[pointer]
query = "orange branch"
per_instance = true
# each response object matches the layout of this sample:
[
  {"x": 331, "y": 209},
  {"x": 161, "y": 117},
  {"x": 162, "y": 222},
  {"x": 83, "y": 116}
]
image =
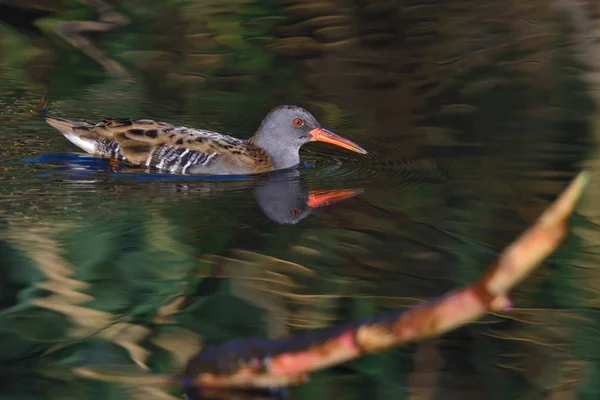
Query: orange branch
[{"x": 255, "y": 363}]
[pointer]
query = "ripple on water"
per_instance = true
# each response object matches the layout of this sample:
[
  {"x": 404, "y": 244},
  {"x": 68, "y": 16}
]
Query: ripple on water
[
  {"x": 387, "y": 166},
  {"x": 68, "y": 181}
]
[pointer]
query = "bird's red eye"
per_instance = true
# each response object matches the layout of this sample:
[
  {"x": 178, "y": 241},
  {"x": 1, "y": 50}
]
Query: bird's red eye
[
  {"x": 294, "y": 211},
  {"x": 298, "y": 122}
]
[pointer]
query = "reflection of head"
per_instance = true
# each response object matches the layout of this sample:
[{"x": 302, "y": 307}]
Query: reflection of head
[{"x": 282, "y": 197}]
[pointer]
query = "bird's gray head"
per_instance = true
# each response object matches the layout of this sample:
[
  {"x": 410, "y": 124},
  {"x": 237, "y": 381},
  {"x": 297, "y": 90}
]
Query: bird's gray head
[{"x": 286, "y": 128}]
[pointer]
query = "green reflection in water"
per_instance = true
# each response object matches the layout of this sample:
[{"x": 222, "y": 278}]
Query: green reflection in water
[{"x": 475, "y": 118}]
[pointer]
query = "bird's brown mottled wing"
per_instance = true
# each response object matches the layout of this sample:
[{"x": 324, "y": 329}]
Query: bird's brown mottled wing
[
  {"x": 111, "y": 128},
  {"x": 182, "y": 150}
]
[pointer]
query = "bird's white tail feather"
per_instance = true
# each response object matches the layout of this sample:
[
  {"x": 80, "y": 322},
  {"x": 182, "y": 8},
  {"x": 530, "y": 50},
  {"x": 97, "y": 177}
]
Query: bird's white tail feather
[
  {"x": 68, "y": 129},
  {"x": 86, "y": 144}
]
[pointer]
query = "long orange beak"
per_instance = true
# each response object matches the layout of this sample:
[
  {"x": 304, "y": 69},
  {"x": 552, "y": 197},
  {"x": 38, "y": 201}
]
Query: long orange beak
[
  {"x": 320, "y": 198},
  {"x": 321, "y": 134}
]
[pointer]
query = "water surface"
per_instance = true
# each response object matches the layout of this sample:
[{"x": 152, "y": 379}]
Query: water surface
[{"x": 474, "y": 119}]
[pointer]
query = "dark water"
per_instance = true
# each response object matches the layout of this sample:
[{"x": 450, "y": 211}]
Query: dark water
[{"x": 475, "y": 118}]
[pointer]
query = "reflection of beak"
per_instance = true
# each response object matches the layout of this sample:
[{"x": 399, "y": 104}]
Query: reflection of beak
[
  {"x": 320, "y": 198},
  {"x": 321, "y": 134}
]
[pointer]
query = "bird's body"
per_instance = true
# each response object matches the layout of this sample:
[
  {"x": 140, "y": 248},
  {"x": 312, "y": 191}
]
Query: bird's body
[
  {"x": 182, "y": 150},
  {"x": 166, "y": 147}
]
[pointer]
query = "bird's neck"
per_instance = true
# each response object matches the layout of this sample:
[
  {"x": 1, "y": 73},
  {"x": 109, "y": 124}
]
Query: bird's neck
[{"x": 283, "y": 156}]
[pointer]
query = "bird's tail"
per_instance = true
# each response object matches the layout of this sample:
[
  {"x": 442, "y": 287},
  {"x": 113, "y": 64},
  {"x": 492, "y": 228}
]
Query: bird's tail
[{"x": 77, "y": 132}]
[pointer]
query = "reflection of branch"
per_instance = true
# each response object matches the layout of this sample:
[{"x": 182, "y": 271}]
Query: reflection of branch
[
  {"x": 585, "y": 40},
  {"x": 248, "y": 363},
  {"x": 586, "y": 37},
  {"x": 109, "y": 19}
]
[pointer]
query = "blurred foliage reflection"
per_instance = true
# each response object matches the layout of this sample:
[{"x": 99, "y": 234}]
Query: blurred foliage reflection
[{"x": 475, "y": 116}]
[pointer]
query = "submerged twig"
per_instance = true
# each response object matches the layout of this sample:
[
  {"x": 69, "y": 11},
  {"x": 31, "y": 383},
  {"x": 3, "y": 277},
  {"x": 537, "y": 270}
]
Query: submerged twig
[{"x": 262, "y": 363}]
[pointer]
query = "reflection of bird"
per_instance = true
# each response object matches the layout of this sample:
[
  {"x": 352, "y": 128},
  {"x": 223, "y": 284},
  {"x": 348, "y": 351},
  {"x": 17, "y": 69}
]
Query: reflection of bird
[
  {"x": 281, "y": 195},
  {"x": 283, "y": 198},
  {"x": 181, "y": 150}
]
